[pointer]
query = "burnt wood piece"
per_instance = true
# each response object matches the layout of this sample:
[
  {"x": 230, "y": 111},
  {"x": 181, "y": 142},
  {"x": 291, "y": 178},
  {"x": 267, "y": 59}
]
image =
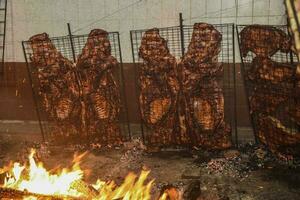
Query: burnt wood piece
[
  {"x": 263, "y": 40},
  {"x": 7, "y": 193},
  {"x": 100, "y": 90},
  {"x": 203, "y": 97},
  {"x": 57, "y": 87},
  {"x": 80, "y": 186},
  {"x": 159, "y": 89}
]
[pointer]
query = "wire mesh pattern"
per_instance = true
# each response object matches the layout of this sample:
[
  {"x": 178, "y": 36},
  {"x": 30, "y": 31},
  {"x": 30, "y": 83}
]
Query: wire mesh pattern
[
  {"x": 83, "y": 99},
  {"x": 268, "y": 68},
  {"x": 211, "y": 95}
]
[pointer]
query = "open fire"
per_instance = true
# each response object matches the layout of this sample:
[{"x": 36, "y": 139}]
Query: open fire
[{"x": 33, "y": 181}]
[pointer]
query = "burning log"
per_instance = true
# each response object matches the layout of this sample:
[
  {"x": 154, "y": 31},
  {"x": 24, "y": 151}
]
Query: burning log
[
  {"x": 7, "y": 193},
  {"x": 159, "y": 88},
  {"x": 264, "y": 40},
  {"x": 100, "y": 91},
  {"x": 203, "y": 97}
]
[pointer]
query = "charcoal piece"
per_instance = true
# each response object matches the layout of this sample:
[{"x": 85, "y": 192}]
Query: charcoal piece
[
  {"x": 58, "y": 89},
  {"x": 159, "y": 89},
  {"x": 264, "y": 41},
  {"x": 100, "y": 91}
]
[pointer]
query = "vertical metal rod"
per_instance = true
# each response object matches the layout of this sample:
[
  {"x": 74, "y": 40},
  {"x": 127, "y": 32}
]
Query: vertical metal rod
[
  {"x": 137, "y": 88},
  {"x": 236, "y": 10},
  {"x": 291, "y": 36},
  {"x": 181, "y": 33},
  {"x": 77, "y": 75},
  {"x": 221, "y": 17},
  {"x": 242, "y": 67},
  {"x": 269, "y": 9},
  {"x": 234, "y": 87},
  {"x": 33, "y": 93},
  {"x": 252, "y": 11},
  {"x": 71, "y": 41},
  {"x": 123, "y": 88},
  {"x": 290, "y": 33},
  {"x": 4, "y": 35}
]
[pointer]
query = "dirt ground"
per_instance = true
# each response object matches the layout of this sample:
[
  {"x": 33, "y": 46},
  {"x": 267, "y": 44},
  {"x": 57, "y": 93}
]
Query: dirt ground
[{"x": 249, "y": 173}]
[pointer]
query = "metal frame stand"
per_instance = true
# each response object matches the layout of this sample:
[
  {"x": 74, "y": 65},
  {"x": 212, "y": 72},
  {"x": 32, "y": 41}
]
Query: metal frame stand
[
  {"x": 70, "y": 47},
  {"x": 178, "y": 38}
]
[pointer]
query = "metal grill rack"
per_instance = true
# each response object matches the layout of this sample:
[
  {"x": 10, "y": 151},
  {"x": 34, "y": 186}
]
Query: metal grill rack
[
  {"x": 270, "y": 102},
  {"x": 178, "y": 39},
  {"x": 3, "y": 13},
  {"x": 70, "y": 47}
]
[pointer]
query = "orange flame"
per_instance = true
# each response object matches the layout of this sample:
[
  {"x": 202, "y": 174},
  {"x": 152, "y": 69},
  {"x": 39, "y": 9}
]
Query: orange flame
[{"x": 36, "y": 179}]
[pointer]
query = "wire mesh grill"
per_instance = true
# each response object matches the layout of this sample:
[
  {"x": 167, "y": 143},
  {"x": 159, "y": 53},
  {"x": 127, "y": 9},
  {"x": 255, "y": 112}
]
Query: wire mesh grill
[
  {"x": 225, "y": 81},
  {"x": 270, "y": 88},
  {"x": 83, "y": 101}
]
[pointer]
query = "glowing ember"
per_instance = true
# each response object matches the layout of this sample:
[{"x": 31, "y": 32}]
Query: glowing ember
[{"x": 35, "y": 179}]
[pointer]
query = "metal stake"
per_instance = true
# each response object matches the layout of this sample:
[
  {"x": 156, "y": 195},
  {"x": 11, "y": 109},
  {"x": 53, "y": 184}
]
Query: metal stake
[
  {"x": 71, "y": 41},
  {"x": 181, "y": 33}
]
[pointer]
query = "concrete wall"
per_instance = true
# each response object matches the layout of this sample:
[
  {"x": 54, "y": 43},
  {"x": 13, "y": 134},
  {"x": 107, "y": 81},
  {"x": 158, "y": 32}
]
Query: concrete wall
[{"x": 29, "y": 17}]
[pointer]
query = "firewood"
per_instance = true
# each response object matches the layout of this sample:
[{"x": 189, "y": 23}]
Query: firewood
[
  {"x": 84, "y": 188},
  {"x": 7, "y": 193}
]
